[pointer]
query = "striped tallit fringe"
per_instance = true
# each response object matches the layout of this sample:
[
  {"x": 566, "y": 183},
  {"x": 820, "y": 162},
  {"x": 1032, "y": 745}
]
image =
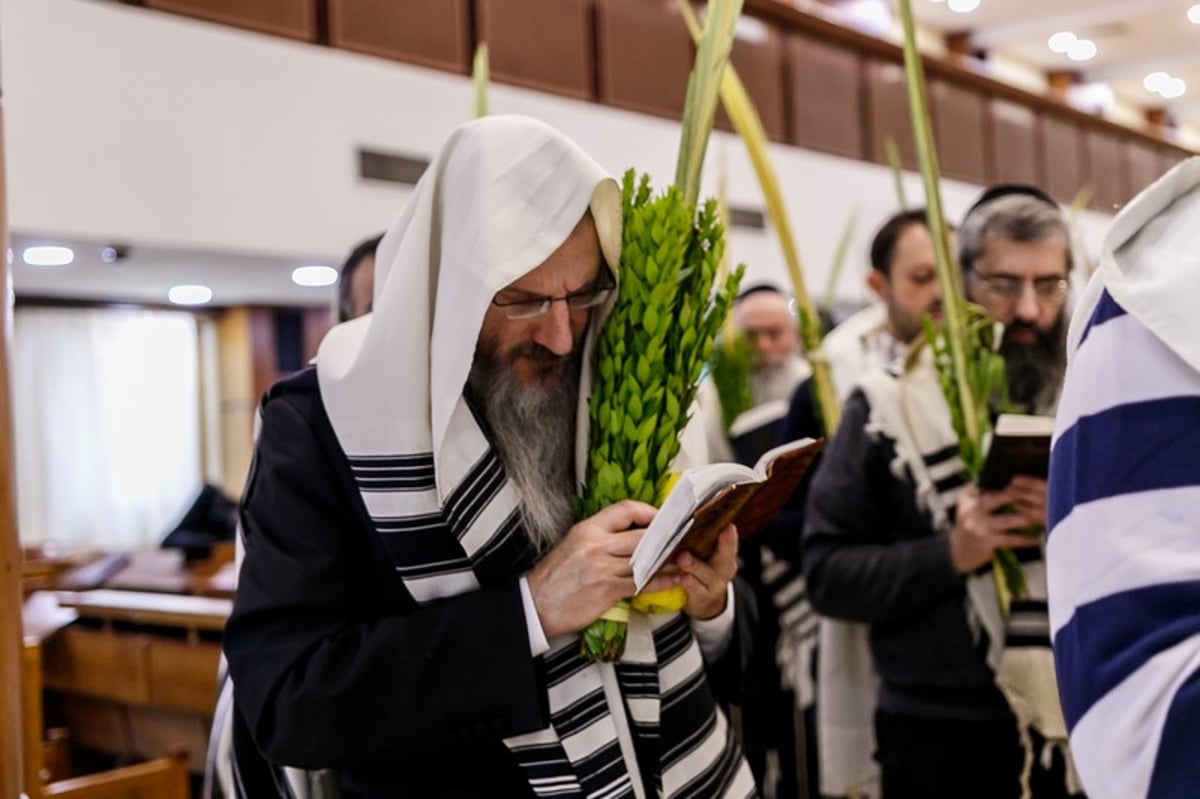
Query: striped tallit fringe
[
  {"x": 798, "y": 626},
  {"x": 474, "y": 539},
  {"x": 911, "y": 411}
]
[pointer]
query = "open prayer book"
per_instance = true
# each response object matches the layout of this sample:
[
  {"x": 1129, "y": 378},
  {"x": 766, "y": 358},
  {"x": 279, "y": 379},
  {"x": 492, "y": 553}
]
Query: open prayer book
[
  {"x": 1019, "y": 445},
  {"x": 707, "y": 499}
]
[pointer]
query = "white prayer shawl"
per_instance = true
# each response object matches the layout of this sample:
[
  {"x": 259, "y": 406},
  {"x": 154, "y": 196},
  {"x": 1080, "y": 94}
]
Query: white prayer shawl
[
  {"x": 846, "y": 684},
  {"x": 500, "y": 197},
  {"x": 1147, "y": 262},
  {"x": 911, "y": 410}
]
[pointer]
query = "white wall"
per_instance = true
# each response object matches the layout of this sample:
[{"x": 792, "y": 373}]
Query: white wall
[{"x": 124, "y": 123}]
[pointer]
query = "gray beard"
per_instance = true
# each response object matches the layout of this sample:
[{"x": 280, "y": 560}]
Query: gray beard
[
  {"x": 776, "y": 382},
  {"x": 534, "y": 432}
]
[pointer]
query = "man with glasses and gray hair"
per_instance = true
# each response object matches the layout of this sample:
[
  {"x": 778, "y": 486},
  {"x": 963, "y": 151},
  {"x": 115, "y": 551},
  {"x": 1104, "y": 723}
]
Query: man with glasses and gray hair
[
  {"x": 897, "y": 539},
  {"x": 1015, "y": 254}
]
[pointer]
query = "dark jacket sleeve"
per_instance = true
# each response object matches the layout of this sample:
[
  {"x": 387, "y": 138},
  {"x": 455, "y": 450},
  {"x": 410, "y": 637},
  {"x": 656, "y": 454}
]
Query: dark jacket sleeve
[
  {"x": 868, "y": 555},
  {"x": 782, "y": 537},
  {"x": 332, "y": 661}
]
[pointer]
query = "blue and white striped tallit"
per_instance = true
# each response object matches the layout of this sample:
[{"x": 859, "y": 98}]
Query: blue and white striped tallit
[
  {"x": 1124, "y": 547},
  {"x": 500, "y": 197}
]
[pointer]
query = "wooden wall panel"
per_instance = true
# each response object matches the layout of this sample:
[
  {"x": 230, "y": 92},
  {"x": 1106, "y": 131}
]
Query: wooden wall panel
[
  {"x": 887, "y": 112},
  {"x": 1106, "y": 171},
  {"x": 825, "y": 96},
  {"x": 759, "y": 64},
  {"x": 1014, "y": 143},
  {"x": 961, "y": 131},
  {"x": 644, "y": 55},
  {"x": 295, "y": 19},
  {"x": 540, "y": 44},
  {"x": 1062, "y": 157},
  {"x": 1146, "y": 163},
  {"x": 432, "y": 33}
]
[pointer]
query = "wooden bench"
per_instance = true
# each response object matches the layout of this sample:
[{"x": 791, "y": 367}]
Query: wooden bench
[{"x": 47, "y": 761}]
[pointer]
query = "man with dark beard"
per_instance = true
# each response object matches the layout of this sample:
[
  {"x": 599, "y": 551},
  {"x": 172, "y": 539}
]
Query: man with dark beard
[
  {"x": 415, "y": 580},
  {"x": 1013, "y": 249},
  {"x": 895, "y": 538}
]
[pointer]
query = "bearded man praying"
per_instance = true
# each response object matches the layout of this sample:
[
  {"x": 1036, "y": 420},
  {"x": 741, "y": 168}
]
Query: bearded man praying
[
  {"x": 415, "y": 578},
  {"x": 895, "y": 538}
]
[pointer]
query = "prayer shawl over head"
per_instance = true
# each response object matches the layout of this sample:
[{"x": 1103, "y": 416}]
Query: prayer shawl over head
[{"x": 500, "y": 197}]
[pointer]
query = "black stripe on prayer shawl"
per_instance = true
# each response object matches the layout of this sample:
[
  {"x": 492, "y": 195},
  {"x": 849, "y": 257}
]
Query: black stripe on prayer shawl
[
  {"x": 394, "y": 473},
  {"x": 638, "y": 679},
  {"x": 672, "y": 639},
  {"x": 951, "y": 482},
  {"x": 941, "y": 456},
  {"x": 580, "y": 714},
  {"x": 474, "y": 493},
  {"x": 605, "y": 775},
  {"x": 548, "y": 772},
  {"x": 421, "y": 546},
  {"x": 709, "y": 782},
  {"x": 507, "y": 549},
  {"x": 699, "y": 729},
  {"x": 563, "y": 663}
]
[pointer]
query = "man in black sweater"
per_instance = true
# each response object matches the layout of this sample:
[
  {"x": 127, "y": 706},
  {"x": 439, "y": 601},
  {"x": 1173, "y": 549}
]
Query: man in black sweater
[{"x": 893, "y": 533}]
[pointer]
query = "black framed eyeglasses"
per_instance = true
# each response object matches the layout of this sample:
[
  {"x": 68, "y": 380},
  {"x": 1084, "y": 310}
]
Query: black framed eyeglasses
[
  {"x": 532, "y": 306},
  {"x": 1009, "y": 287}
]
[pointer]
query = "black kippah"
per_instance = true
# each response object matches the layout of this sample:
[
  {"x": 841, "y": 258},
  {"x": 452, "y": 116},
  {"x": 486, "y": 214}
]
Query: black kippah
[
  {"x": 758, "y": 288},
  {"x": 1005, "y": 189}
]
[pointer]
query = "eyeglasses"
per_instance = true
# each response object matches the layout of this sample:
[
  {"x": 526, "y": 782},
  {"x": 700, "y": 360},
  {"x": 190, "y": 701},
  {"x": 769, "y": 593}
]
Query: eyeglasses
[
  {"x": 1009, "y": 288},
  {"x": 530, "y": 307}
]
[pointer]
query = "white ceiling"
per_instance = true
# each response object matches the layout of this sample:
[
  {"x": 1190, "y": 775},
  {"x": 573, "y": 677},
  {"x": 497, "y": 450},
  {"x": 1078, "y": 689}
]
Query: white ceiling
[
  {"x": 145, "y": 274},
  {"x": 1133, "y": 38}
]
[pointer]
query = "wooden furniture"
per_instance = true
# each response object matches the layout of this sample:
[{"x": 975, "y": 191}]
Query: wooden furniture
[
  {"x": 135, "y": 676},
  {"x": 47, "y": 762}
]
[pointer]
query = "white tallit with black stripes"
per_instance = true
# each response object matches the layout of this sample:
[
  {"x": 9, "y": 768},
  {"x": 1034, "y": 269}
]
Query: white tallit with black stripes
[
  {"x": 499, "y": 198},
  {"x": 911, "y": 411}
]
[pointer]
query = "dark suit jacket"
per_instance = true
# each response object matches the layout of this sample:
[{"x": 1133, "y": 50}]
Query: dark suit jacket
[{"x": 334, "y": 664}]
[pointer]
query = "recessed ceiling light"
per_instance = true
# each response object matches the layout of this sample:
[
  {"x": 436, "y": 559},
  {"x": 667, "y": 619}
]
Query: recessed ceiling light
[
  {"x": 1173, "y": 88},
  {"x": 1155, "y": 80},
  {"x": 1164, "y": 85},
  {"x": 1061, "y": 42},
  {"x": 189, "y": 294},
  {"x": 49, "y": 255},
  {"x": 1082, "y": 50},
  {"x": 316, "y": 275},
  {"x": 1194, "y": 14},
  {"x": 963, "y": 6}
]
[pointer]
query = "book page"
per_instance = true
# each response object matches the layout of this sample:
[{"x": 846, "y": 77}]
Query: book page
[
  {"x": 694, "y": 488},
  {"x": 1016, "y": 424},
  {"x": 763, "y": 467}
]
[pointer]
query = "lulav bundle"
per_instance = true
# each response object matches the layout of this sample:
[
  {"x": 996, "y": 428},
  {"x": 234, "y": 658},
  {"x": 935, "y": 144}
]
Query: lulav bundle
[
  {"x": 730, "y": 368},
  {"x": 649, "y": 356},
  {"x": 965, "y": 345}
]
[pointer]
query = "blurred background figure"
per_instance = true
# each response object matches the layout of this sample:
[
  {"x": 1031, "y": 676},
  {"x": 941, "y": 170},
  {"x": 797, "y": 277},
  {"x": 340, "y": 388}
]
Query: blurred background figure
[{"x": 356, "y": 286}]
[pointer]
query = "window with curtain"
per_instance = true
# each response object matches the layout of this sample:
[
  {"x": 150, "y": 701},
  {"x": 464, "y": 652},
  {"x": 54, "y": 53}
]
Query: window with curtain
[{"x": 106, "y": 405}]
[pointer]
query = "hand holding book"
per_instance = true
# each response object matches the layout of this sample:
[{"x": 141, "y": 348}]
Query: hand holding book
[{"x": 708, "y": 499}]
